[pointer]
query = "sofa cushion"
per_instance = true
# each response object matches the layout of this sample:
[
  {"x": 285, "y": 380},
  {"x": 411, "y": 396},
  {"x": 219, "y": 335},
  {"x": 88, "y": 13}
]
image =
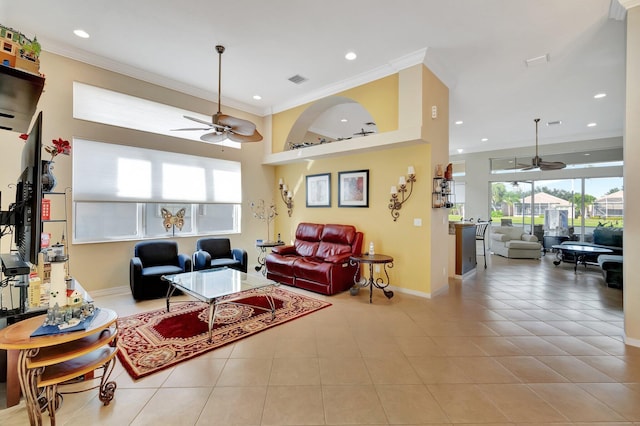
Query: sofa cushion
[
  {"x": 313, "y": 269},
  {"x": 307, "y": 238},
  {"x": 155, "y": 271},
  {"x": 530, "y": 238},
  {"x": 309, "y": 231},
  {"x": 306, "y": 248},
  {"x": 331, "y": 249},
  {"x": 610, "y": 261},
  {"x": 281, "y": 265},
  {"x": 340, "y": 234},
  {"x": 500, "y": 237},
  {"x": 523, "y": 245},
  {"x": 223, "y": 261}
]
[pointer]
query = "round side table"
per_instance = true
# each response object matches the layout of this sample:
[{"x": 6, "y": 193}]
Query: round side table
[
  {"x": 262, "y": 253},
  {"x": 372, "y": 259}
]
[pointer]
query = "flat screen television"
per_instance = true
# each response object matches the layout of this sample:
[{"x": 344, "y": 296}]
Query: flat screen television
[{"x": 28, "y": 224}]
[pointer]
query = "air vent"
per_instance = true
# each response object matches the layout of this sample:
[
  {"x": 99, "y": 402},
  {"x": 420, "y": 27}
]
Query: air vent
[
  {"x": 297, "y": 79},
  {"x": 538, "y": 60},
  {"x": 554, "y": 123}
]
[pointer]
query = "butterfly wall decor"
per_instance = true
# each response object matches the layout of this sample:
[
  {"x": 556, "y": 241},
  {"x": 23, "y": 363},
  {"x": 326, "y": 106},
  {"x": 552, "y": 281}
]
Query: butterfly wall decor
[{"x": 169, "y": 220}]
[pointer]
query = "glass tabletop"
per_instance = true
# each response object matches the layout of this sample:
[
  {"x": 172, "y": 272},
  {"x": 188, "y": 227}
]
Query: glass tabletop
[
  {"x": 581, "y": 248},
  {"x": 213, "y": 283}
]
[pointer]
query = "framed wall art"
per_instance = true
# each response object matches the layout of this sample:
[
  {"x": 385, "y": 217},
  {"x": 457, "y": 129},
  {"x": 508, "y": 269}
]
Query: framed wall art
[
  {"x": 318, "y": 190},
  {"x": 353, "y": 188}
]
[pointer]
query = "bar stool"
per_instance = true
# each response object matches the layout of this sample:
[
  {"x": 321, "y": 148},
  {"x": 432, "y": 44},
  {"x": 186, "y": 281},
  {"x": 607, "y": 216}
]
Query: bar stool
[{"x": 481, "y": 232}]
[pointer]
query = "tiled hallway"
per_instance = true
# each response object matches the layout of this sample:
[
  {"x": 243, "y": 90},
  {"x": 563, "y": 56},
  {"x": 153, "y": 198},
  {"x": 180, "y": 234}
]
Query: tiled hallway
[{"x": 523, "y": 342}]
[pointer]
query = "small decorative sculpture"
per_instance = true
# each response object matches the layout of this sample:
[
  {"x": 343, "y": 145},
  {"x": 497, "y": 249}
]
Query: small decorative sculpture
[
  {"x": 265, "y": 213},
  {"x": 170, "y": 221},
  {"x": 448, "y": 174}
]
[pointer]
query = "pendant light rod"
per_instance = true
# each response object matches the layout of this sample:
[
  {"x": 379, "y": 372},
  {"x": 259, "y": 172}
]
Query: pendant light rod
[{"x": 220, "y": 50}]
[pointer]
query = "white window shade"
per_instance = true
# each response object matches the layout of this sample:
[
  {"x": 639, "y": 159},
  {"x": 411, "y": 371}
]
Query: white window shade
[
  {"x": 460, "y": 192},
  {"x": 120, "y": 173},
  {"x": 118, "y": 109}
]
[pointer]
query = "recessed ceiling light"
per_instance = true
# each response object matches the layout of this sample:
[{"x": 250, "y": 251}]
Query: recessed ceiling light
[
  {"x": 257, "y": 97},
  {"x": 350, "y": 56},
  {"x": 459, "y": 122},
  {"x": 592, "y": 124},
  {"x": 484, "y": 139},
  {"x": 460, "y": 150},
  {"x": 587, "y": 153},
  {"x": 599, "y": 95},
  {"x": 81, "y": 33},
  {"x": 343, "y": 120}
]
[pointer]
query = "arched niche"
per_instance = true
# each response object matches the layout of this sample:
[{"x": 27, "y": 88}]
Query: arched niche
[{"x": 323, "y": 121}]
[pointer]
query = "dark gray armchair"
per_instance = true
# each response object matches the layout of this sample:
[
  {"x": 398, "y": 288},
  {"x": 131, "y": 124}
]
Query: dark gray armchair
[
  {"x": 217, "y": 253},
  {"x": 151, "y": 260}
]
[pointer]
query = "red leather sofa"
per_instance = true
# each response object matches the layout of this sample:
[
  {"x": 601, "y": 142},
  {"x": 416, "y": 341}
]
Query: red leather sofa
[{"x": 318, "y": 260}]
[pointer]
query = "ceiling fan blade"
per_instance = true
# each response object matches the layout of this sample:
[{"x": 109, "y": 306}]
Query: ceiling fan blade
[
  {"x": 223, "y": 126},
  {"x": 191, "y": 128},
  {"x": 213, "y": 137},
  {"x": 255, "y": 137},
  {"x": 552, "y": 165},
  {"x": 238, "y": 125},
  {"x": 525, "y": 167},
  {"x": 197, "y": 120}
]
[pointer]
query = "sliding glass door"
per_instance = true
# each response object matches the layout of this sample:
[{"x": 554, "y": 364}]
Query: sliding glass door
[{"x": 565, "y": 209}]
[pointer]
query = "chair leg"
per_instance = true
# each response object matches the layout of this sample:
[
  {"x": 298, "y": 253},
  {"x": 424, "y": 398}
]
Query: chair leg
[{"x": 484, "y": 253}]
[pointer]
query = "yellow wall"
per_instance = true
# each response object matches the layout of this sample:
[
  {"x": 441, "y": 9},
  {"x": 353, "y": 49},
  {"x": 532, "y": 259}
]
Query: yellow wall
[
  {"x": 105, "y": 265},
  {"x": 435, "y": 131},
  {"x": 379, "y": 98},
  {"x": 421, "y": 252},
  {"x": 408, "y": 245}
]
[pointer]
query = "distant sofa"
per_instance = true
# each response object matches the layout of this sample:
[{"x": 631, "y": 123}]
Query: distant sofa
[
  {"x": 512, "y": 242},
  {"x": 318, "y": 260},
  {"x": 611, "y": 266}
]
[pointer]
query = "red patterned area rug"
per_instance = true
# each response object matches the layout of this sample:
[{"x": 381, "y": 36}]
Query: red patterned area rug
[{"x": 152, "y": 341}]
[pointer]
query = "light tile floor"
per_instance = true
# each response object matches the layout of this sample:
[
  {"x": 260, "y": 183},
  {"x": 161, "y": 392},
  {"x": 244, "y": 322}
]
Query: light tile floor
[{"x": 523, "y": 342}]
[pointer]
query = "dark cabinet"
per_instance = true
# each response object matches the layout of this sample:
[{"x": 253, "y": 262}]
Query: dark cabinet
[
  {"x": 465, "y": 247},
  {"x": 19, "y": 95}
]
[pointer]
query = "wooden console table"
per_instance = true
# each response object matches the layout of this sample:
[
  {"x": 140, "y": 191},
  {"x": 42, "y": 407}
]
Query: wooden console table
[{"x": 44, "y": 362}]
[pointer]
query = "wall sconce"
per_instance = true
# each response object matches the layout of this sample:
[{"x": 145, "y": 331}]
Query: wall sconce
[
  {"x": 287, "y": 196},
  {"x": 399, "y": 195}
]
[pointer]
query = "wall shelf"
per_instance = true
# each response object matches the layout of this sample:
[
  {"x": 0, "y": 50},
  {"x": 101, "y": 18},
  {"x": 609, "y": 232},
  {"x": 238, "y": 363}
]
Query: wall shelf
[
  {"x": 443, "y": 195},
  {"x": 19, "y": 95}
]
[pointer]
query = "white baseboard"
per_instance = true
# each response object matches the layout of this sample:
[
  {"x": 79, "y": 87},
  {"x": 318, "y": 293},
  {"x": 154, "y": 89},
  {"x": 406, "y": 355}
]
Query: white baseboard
[
  {"x": 409, "y": 291},
  {"x": 632, "y": 342},
  {"x": 111, "y": 291}
]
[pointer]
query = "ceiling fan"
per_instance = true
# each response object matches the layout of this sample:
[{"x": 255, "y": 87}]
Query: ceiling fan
[
  {"x": 224, "y": 126},
  {"x": 538, "y": 163}
]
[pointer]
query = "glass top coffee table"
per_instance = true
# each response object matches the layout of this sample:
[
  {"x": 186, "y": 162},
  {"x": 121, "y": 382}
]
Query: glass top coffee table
[
  {"x": 578, "y": 253},
  {"x": 212, "y": 286}
]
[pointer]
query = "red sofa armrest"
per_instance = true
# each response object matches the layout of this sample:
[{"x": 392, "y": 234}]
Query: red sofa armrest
[
  {"x": 284, "y": 250},
  {"x": 338, "y": 258}
]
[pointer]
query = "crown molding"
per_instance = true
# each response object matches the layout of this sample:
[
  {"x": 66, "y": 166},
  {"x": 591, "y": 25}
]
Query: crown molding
[
  {"x": 628, "y": 4},
  {"x": 133, "y": 72},
  {"x": 392, "y": 67}
]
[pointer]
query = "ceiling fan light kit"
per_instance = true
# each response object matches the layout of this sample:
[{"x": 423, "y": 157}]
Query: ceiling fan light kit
[
  {"x": 224, "y": 126},
  {"x": 537, "y": 162}
]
